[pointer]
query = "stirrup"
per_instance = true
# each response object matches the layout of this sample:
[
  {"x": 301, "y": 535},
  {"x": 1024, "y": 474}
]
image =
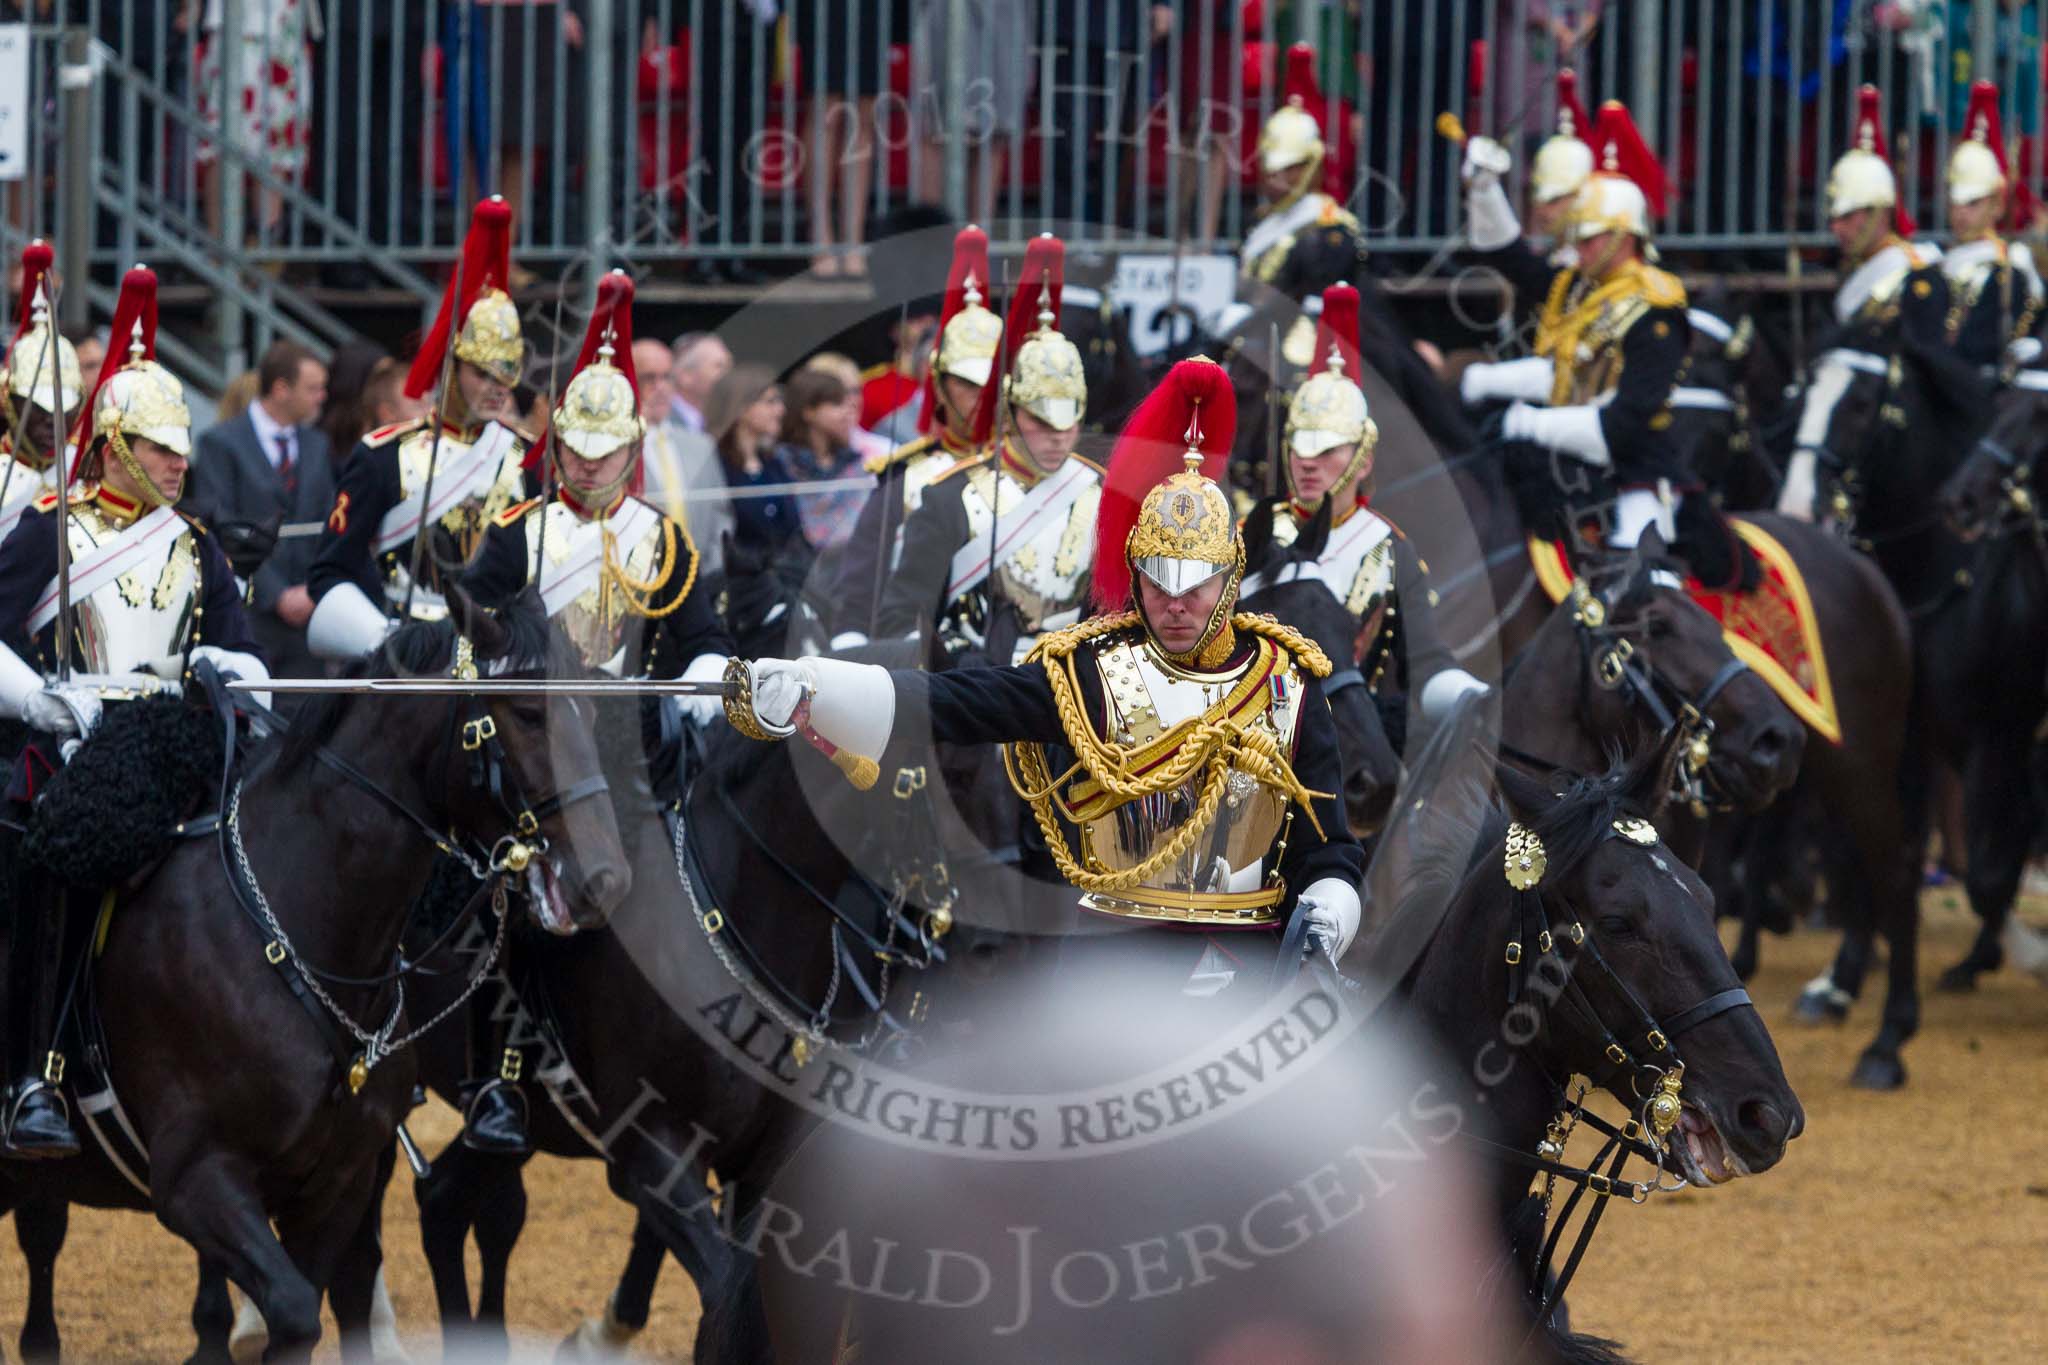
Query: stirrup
[{"x": 66, "y": 1145}]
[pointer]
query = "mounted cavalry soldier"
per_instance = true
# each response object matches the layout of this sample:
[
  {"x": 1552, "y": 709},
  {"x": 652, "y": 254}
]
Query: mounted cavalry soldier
[
  {"x": 40, "y": 388},
  {"x": 969, "y": 337},
  {"x": 1364, "y": 559},
  {"x": 1127, "y": 732},
  {"x": 1892, "y": 310},
  {"x": 621, "y": 578},
  {"x": 999, "y": 551},
  {"x": 1995, "y": 290},
  {"x": 148, "y": 594},
  {"x": 466, "y": 457},
  {"x": 1707, "y": 404}
]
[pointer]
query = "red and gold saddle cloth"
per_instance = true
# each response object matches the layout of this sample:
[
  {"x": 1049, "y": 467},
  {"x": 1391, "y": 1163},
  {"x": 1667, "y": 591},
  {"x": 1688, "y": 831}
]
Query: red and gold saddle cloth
[{"x": 1772, "y": 629}]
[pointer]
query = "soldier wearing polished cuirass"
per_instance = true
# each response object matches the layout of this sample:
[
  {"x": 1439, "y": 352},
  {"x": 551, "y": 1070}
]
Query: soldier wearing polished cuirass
[
  {"x": 620, "y": 578},
  {"x": 451, "y": 471},
  {"x": 1177, "y": 754},
  {"x": 1001, "y": 548},
  {"x": 1891, "y": 310},
  {"x": 1358, "y": 552},
  {"x": 962, "y": 367},
  {"x": 145, "y": 596},
  {"x": 1995, "y": 289},
  {"x": 40, "y": 389}
]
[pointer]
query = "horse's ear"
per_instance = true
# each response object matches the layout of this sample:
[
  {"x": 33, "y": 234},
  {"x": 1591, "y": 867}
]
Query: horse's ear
[
  {"x": 1258, "y": 534},
  {"x": 1651, "y": 547},
  {"x": 1315, "y": 537},
  {"x": 1526, "y": 790},
  {"x": 485, "y": 631},
  {"x": 1653, "y": 774}
]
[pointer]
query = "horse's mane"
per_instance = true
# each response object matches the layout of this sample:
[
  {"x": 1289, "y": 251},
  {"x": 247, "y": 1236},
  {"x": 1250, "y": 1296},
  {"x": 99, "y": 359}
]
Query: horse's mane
[{"x": 426, "y": 648}]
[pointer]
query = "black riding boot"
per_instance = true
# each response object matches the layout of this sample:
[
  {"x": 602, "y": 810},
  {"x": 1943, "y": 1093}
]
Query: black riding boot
[
  {"x": 38, "y": 1121},
  {"x": 494, "y": 1120}
]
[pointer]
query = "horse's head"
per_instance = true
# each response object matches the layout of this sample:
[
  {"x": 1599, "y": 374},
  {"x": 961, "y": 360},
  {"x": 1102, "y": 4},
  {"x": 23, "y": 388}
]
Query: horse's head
[
  {"x": 1657, "y": 659},
  {"x": 1627, "y": 974},
  {"x": 1854, "y": 417},
  {"x": 1994, "y": 484},
  {"x": 1282, "y": 581},
  {"x": 763, "y": 601},
  {"x": 528, "y": 780}
]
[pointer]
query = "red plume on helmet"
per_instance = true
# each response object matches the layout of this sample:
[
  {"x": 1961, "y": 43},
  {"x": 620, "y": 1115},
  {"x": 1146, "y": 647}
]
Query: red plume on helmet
[
  {"x": 1870, "y": 138},
  {"x": 37, "y": 260},
  {"x": 1194, "y": 402},
  {"x": 1300, "y": 86},
  {"x": 1337, "y": 329},
  {"x": 970, "y": 259},
  {"x": 135, "y": 308},
  {"x": 1571, "y": 118},
  {"x": 486, "y": 263},
  {"x": 1619, "y": 149},
  {"x": 1983, "y": 124},
  {"x": 1044, "y": 272}
]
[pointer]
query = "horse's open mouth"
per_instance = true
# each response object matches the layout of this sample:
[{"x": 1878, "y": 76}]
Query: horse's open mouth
[
  {"x": 544, "y": 888},
  {"x": 1703, "y": 1157}
]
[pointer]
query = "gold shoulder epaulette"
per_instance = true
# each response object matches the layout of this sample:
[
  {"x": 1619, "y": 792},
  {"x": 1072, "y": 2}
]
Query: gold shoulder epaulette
[
  {"x": 1056, "y": 645},
  {"x": 875, "y": 371},
  {"x": 521, "y": 434},
  {"x": 1662, "y": 288},
  {"x": 1100, "y": 471},
  {"x": 47, "y": 501},
  {"x": 198, "y": 526},
  {"x": 516, "y": 513},
  {"x": 961, "y": 466},
  {"x": 386, "y": 435},
  {"x": 1305, "y": 651},
  {"x": 876, "y": 464}
]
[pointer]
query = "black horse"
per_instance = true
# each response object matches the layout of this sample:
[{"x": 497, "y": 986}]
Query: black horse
[
  {"x": 250, "y": 1103},
  {"x": 1617, "y": 668},
  {"x": 1986, "y": 657},
  {"x": 1608, "y": 967}
]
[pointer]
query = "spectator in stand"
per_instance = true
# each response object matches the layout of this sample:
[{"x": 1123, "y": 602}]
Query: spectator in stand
[
  {"x": 1209, "y": 58},
  {"x": 840, "y": 130},
  {"x": 679, "y": 466},
  {"x": 384, "y": 399},
  {"x": 348, "y": 379},
  {"x": 1001, "y": 35},
  {"x": 817, "y": 447},
  {"x": 892, "y": 393},
  {"x": 240, "y": 392},
  {"x": 91, "y": 345},
  {"x": 731, "y": 68},
  {"x": 270, "y": 463},
  {"x": 1536, "y": 38},
  {"x": 745, "y": 414},
  {"x": 866, "y": 444},
  {"x": 270, "y": 115},
  {"x": 701, "y": 361}
]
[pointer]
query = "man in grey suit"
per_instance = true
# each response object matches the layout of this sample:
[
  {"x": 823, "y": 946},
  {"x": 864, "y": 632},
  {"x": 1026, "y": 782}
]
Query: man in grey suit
[{"x": 268, "y": 464}]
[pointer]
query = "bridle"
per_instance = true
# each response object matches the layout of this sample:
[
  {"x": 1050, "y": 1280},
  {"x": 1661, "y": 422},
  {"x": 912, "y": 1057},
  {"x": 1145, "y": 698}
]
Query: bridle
[
  {"x": 1645, "y": 1050},
  {"x": 496, "y": 861}
]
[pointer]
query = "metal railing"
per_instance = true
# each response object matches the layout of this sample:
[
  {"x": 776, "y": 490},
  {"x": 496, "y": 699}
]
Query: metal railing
[{"x": 677, "y": 131}]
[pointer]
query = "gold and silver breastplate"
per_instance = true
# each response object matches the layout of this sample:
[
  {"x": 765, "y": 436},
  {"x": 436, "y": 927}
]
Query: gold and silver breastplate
[
  {"x": 596, "y": 614},
  {"x": 148, "y": 613},
  {"x": 1223, "y": 878},
  {"x": 1357, "y": 561},
  {"x": 1042, "y": 568}
]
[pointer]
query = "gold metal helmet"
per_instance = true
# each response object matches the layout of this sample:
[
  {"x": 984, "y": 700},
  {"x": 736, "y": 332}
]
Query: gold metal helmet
[
  {"x": 1186, "y": 532},
  {"x": 490, "y": 338},
  {"x": 599, "y": 411},
  {"x": 1328, "y": 411},
  {"x": 1565, "y": 159},
  {"x": 971, "y": 339},
  {"x": 144, "y": 399},
  {"x": 1862, "y": 177},
  {"x": 1292, "y": 137},
  {"x": 1610, "y": 203},
  {"x": 42, "y": 367},
  {"x": 1048, "y": 380}
]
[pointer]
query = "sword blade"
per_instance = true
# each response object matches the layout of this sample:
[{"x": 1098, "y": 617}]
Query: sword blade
[{"x": 488, "y": 687}]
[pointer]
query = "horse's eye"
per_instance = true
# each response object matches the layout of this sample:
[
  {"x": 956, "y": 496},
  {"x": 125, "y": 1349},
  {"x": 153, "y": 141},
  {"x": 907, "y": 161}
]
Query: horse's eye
[
  {"x": 1659, "y": 628},
  {"x": 530, "y": 715}
]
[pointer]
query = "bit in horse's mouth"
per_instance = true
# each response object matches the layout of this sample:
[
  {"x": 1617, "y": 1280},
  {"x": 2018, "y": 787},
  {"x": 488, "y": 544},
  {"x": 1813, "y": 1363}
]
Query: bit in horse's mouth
[
  {"x": 1704, "y": 1158},
  {"x": 544, "y": 887}
]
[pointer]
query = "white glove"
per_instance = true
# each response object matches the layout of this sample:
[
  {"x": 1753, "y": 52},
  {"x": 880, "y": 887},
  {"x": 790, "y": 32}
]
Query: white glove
[
  {"x": 62, "y": 711},
  {"x": 779, "y": 687},
  {"x": 1442, "y": 691},
  {"x": 1528, "y": 380},
  {"x": 701, "y": 711},
  {"x": 345, "y": 624},
  {"x": 1485, "y": 161},
  {"x": 231, "y": 663},
  {"x": 1333, "y": 913},
  {"x": 1796, "y": 499},
  {"x": 1573, "y": 431}
]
